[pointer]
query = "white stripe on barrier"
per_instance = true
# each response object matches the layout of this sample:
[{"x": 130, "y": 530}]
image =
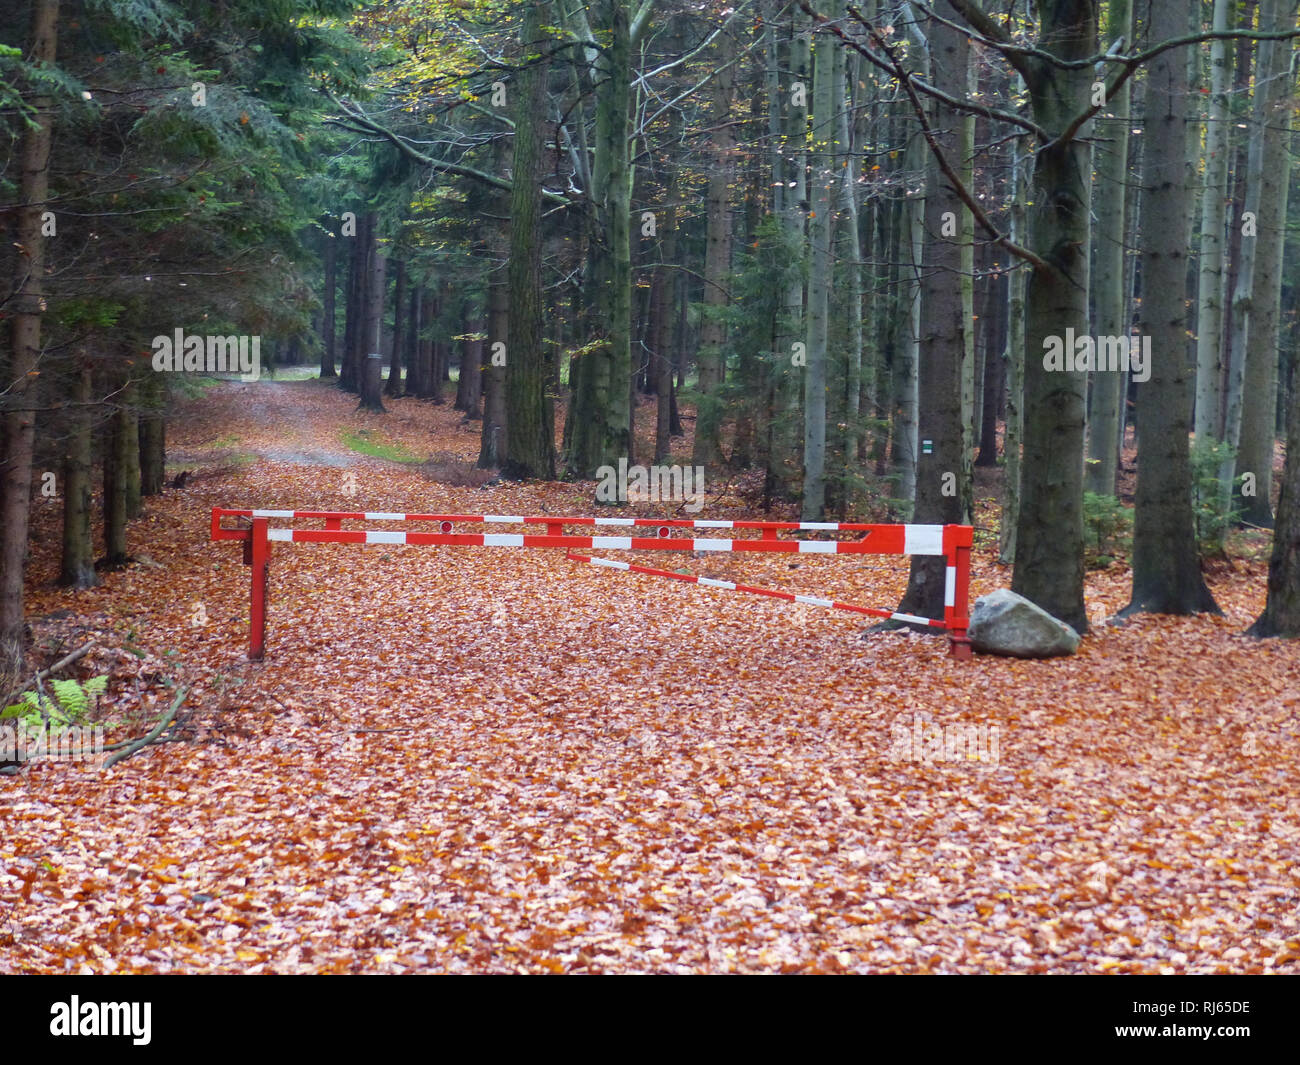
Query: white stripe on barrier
[
  {"x": 713, "y": 524},
  {"x": 274, "y": 513},
  {"x": 910, "y": 617},
  {"x": 381, "y": 515},
  {"x": 816, "y": 547},
  {"x": 615, "y": 521},
  {"x": 810, "y": 526},
  {"x": 504, "y": 519},
  {"x": 285, "y": 535},
  {"x": 950, "y": 586},
  {"x": 812, "y": 601},
  {"x": 376, "y": 536},
  {"x": 714, "y": 583},
  {"x": 611, "y": 563},
  {"x": 503, "y": 540},
  {"x": 923, "y": 539},
  {"x": 623, "y": 543},
  {"x": 712, "y": 545}
]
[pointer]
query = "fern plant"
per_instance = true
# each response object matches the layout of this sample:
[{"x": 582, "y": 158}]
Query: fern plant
[{"x": 72, "y": 702}]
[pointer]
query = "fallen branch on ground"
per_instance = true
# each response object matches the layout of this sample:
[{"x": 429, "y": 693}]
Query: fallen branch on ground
[{"x": 143, "y": 742}]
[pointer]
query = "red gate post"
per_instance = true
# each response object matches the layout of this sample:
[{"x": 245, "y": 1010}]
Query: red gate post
[
  {"x": 958, "y": 540},
  {"x": 261, "y": 562}
]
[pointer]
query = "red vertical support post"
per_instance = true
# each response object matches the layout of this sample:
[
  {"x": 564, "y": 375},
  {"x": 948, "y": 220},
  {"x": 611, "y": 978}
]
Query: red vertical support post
[
  {"x": 958, "y": 540},
  {"x": 261, "y": 563}
]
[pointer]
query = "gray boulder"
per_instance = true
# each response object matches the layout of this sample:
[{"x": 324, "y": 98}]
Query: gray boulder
[{"x": 1004, "y": 623}]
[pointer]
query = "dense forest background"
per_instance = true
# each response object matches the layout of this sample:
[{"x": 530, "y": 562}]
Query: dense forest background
[{"x": 847, "y": 242}]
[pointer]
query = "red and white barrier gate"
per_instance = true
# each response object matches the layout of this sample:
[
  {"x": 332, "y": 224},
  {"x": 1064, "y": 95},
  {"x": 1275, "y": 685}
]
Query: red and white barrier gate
[{"x": 952, "y": 541}]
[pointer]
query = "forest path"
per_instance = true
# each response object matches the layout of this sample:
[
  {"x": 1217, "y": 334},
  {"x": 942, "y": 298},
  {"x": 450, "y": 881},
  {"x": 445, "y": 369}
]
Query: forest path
[
  {"x": 482, "y": 759},
  {"x": 294, "y": 422}
]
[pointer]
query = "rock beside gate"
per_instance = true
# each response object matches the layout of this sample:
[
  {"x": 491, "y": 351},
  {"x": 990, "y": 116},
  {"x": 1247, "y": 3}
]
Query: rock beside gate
[{"x": 1004, "y": 623}]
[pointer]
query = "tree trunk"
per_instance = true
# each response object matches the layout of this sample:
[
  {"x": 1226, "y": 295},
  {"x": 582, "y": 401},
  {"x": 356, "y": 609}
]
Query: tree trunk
[
  {"x": 1015, "y": 356},
  {"x": 663, "y": 334},
  {"x": 530, "y": 414},
  {"x": 940, "y": 469},
  {"x": 430, "y": 382},
  {"x": 77, "y": 567},
  {"x": 1243, "y": 68},
  {"x": 1244, "y": 304},
  {"x": 153, "y": 433},
  {"x": 820, "y": 227},
  {"x": 600, "y": 430},
  {"x": 788, "y": 405},
  {"x": 993, "y": 324},
  {"x": 1049, "y": 536},
  {"x": 393, "y": 387},
  {"x": 373, "y": 330},
  {"x": 470, "y": 386},
  {"x": 965, "y": 158},
  {"x": 1259, "y": 391},
  {"x": 717, "y": 265},
  {"x": 354, "y": 333},
  {"x": 492, "y": 444},
  {"x": 27, "y": 306},
  {"x": 130, "y": 428},
  {"x": 853, "y": 250},
  {"x": 1166, "y": 565},
  {"x": 434, "y": 348},
  {"x": 1110, "y": 296},
  {"x": 1281, "y": 616},
  {"x": 117, "y": 458},
  {"x": 372, "y": 384},
  {"x": 911, "y": 220},
  {"x": 445, "y": 304},
  {"x": 1209, "y": 316},
  {"x": 328, "y": 324},
  {"x": 415, "y": 322}
]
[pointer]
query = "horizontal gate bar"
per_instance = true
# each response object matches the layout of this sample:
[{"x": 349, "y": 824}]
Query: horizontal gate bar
[
  {"x": 554, "y": 519},
  {"x": 952, "y": 541},
  {"x": 876, "y": 539},
  {"x": 789, "y": 597}
]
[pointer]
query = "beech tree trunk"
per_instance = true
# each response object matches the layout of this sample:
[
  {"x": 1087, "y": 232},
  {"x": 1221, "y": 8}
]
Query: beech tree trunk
[
  {"x": 1015, "y": 356},
  {"x": 1049, "y": 536},
  {"x": 1110, "y": 293},
  {"x": 940, "y": 469},
  {"x": 1166, "y": 564},
  {"x": 821, "y": 195},
  {"x": 600, "y": 431},
  {"x": 717, "y": 265},
  {"x": 1259, "y": 391},
  {"x": 1209, "y": 317},
  {"x": 530, "y": 414}
]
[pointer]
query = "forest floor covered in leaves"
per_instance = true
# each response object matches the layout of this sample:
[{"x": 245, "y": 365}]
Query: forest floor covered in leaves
[{"x": 483, "y": 759}]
